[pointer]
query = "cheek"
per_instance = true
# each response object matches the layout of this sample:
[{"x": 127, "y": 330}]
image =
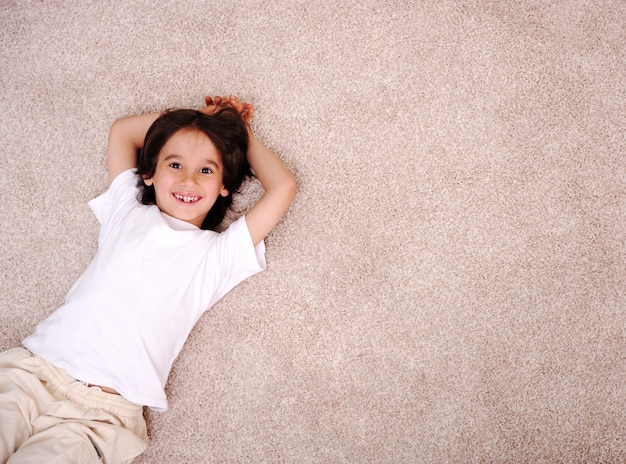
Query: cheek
[{"x": 161, "y": 179}]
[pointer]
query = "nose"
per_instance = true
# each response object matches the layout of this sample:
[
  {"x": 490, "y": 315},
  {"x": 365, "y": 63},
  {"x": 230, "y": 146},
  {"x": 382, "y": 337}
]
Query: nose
[{"x": 188, "y": 178}]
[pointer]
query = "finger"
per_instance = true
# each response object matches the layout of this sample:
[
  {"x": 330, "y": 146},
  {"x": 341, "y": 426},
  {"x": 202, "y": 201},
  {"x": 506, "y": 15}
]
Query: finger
[
  {"x": 235, "y": 103},
  {"x": 209, "y": 109},
  {"x": 248, "y": 112}
]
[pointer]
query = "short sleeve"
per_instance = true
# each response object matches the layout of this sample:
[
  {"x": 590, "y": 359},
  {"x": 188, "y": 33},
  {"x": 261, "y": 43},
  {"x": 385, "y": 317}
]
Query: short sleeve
[
  {"x": 112, "y": 206},
  {"x": 122, "y": 191},
  {"x": 238, "y": 257}
]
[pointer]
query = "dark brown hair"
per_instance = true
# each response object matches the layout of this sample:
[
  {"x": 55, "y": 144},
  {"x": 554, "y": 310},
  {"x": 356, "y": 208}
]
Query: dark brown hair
[{"x": 228, "y": 133}]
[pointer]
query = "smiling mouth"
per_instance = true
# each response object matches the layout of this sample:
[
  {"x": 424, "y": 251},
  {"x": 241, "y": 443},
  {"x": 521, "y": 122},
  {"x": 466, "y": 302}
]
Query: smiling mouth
[{"x": 187, "y": 198}]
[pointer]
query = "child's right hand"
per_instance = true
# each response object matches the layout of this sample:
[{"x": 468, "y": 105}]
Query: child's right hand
[{"x": 278, "y": 183}]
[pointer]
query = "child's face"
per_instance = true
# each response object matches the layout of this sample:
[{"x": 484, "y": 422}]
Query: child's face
[{"x": 188, "y": 176}]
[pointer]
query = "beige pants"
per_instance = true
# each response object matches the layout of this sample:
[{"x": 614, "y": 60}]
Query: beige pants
[{"x": 46, "y": 416}]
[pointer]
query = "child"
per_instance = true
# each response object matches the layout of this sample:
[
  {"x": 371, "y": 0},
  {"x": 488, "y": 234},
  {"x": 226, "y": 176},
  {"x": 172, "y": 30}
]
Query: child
[{"x": 77, "y": 393}]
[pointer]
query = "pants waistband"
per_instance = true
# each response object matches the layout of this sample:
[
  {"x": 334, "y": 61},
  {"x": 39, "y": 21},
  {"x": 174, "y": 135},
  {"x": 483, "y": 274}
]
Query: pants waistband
[{"x": 85, "y": 395}]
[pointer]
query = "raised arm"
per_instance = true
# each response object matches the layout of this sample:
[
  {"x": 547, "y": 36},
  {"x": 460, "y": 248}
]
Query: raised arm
[
  {"x": 125, "y": 138},
  {"x": 278, "y": 183},
  {"x": 279, "y": 186}
]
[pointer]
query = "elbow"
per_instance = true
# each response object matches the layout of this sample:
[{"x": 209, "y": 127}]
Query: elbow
[
  {"x": 285, "y": 191},
  {"x": 291, "y": 187},
  {"x": 117, "y": 132},
  {"x": 114, "y": 129},
  {"x": 118, "y": 126}
]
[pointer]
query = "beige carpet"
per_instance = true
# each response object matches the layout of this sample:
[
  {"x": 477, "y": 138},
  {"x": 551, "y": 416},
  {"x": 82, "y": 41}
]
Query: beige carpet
[{"x": 449, "y": 283}]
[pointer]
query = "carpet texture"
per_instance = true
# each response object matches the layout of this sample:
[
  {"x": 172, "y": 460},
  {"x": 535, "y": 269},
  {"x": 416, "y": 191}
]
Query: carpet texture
[{"x": 448, "y": 285}]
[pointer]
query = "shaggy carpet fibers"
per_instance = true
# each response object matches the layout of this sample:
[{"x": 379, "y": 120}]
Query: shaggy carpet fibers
[{"x": 448, "y": 285}]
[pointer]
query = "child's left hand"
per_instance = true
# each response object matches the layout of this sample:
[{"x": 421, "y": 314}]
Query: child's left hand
[{"x": 214, "y": 104}]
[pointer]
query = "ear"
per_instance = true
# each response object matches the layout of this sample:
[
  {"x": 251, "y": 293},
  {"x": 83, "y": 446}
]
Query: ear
[
  {"x": 224, "y": 192},
  {"x": 147, "y": 180}
]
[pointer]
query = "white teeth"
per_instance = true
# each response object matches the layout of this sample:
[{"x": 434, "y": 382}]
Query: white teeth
[{"x": 186, "y": 199}]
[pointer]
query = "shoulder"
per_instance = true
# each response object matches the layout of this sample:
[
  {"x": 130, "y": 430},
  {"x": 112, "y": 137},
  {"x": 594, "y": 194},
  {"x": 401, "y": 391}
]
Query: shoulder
[
  {"x": 236, "y": 244},
  {"x": 127, "y": 177},
  {"x": 123, "y": 190}
]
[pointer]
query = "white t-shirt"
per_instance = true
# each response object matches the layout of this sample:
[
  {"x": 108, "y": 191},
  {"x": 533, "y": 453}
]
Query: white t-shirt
[{"x": 127, "y": 317}]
